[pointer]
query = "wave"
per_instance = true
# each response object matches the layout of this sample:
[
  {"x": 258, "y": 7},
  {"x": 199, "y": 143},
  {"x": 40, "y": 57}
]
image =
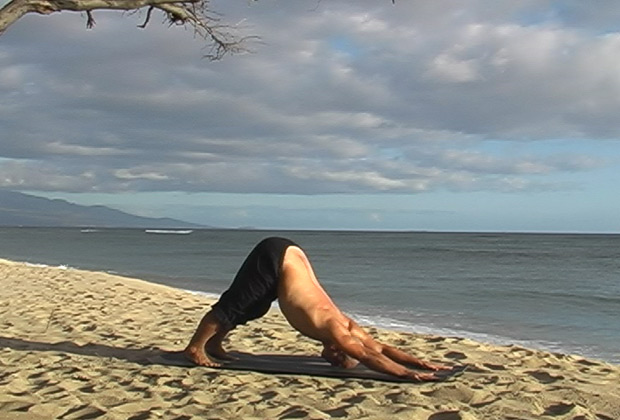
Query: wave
[
  {"x": 205, "y": 294},
  {"x": 37, "y": 265},
  {"x": 387, "y": 323},
  {"x": 169, "y": 231}
]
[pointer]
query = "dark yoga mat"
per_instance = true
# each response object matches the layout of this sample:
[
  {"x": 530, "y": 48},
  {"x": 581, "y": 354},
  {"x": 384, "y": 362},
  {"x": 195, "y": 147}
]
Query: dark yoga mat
[{"x": 292, "y": 364}]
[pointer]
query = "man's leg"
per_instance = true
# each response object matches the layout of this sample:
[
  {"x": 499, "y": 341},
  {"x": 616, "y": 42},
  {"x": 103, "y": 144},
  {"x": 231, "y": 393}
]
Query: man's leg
[
  {"x": 214, "y": 345},
  {"x": 208, "y": 329},
  {"x": 248, "y": 297}
]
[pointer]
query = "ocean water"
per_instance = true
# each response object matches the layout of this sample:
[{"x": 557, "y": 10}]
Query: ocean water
[{"x": 547, "y": 291}]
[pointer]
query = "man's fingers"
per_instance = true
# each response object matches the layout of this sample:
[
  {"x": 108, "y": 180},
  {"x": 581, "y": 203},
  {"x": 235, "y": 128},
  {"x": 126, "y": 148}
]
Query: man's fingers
[
  {"x": 439, "y": 375},
  {"x": 426, "y": 377}
]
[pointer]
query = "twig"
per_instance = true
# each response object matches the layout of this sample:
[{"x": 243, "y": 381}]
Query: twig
[
  {"x": 49, "y": 320},
  {"x": 148, "y": 17},
  {"x": 90, "y": 21}
]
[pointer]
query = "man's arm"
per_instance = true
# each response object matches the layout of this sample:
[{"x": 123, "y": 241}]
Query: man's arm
[
  {"x": 402, "y": 357},
  {"x": 392, "y": 353},
  {"x": 372, "y": 358}
]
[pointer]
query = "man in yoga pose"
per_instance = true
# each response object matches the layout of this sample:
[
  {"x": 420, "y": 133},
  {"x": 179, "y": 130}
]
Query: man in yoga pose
[{"x": 278, "y": 269}]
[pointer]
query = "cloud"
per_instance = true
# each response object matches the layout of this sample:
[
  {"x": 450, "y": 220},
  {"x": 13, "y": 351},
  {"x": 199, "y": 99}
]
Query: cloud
[{"x": 340, "y": 97}]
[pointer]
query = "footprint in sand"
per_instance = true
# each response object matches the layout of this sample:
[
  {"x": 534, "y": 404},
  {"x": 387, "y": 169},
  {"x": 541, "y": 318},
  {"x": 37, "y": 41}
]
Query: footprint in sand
[
  {"x": 483, "y": 398},
  {"x": 603, "y": 417},
  {"x": 15, "y": 406},
  {"x": 588, "y": 362},
  {"x": 338, "y": 412},
  {"x": 356, "y": 399},
  {"x": 268, "y": 395},
  {"x": 559, "y": 409},
  {"x": 544, "y": 377},
  {"x": 521, "y": 351},
  {"x": 448, "y": 415},
  {"x": 455, "y": 355},
  {"x": 294, "y": 412},
  {"x": 83, "y": 412},
  {"x": 494, "y": 366}
]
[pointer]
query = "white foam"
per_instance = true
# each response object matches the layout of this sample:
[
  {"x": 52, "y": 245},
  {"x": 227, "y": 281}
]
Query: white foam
[
  {"x": 168, "y": 232},
  {"x": 205, "y": 294},
  {"x": 397, "y": 325},
  {"x": 39, "y": 265},
  {"x": 36, "y": 265}
]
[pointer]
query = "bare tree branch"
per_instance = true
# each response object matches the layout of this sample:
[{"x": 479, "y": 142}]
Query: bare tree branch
[
  {"x": 195, "y": 14},
  {"x": 148, "y": 18},
  {"x": 90, "y": 20}
]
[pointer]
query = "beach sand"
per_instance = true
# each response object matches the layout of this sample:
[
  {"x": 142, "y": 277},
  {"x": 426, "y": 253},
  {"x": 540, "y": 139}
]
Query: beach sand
[{"x": 76, "y": 344}]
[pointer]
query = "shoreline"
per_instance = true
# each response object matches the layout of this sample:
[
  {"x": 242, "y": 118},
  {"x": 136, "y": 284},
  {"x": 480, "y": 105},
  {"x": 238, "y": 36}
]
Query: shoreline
[
  {"x": 73, "y": 344},
  {"x": 382, "y": 322}
]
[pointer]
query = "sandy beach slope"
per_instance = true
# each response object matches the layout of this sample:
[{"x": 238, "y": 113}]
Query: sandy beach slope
[{"x": 76, "y": 344}]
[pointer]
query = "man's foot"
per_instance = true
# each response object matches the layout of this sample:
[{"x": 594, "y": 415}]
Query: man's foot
[
  {"x": 219, "y": 352},
  {"x": 199, "y": 357}
]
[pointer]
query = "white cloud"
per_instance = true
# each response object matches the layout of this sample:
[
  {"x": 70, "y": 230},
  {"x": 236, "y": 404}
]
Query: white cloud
[
  {"x": 130, "y": 175},
  {"x": 407, "y": 101},
  {"x": 447, "y": 68}
]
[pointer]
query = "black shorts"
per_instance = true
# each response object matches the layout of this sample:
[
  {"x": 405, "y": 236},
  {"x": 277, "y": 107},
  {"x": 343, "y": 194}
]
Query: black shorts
[{"x": 255, "y": 286}]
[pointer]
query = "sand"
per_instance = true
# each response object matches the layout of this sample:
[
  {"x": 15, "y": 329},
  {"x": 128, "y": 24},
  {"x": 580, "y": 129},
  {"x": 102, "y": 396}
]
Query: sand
[{"x": 76, "y": 345}]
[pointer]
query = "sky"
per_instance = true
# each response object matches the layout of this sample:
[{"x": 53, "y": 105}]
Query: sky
[{"x": 440, "y": 115}]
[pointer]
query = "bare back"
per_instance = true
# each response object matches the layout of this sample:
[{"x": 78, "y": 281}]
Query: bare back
[{"x": 303, "y": 301}]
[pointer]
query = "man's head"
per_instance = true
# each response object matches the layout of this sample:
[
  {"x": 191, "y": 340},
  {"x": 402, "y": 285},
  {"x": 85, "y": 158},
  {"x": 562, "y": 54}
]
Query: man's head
[{"x": 337, "y": 357}]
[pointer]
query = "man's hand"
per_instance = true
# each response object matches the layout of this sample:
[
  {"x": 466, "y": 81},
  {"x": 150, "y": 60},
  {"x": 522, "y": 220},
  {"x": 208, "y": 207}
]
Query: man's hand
[
  {"x": 432, "y": 366},
  {"x": 439, "y": 375},
  {"x": 423, "y": 377},
  {"x": 338, "y": 358}
]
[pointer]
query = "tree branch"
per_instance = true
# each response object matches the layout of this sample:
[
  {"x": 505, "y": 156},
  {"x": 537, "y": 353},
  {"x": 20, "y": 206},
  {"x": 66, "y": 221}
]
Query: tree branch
[
  {"x": 193, "y": 13},
  {"x": 148, "y": 18},
  {"x": 11, "y": 12},
  {"x": 90, "y": 20}
]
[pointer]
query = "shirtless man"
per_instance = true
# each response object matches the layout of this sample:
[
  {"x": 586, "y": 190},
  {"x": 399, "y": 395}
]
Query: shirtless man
[{"x": 278, "y": 268}]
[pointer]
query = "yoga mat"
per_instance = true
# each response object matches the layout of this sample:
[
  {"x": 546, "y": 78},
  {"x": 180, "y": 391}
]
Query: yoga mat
[{"x": 292, "y": 364}]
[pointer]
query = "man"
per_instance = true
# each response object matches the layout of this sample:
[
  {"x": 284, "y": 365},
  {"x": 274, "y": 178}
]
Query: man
[{"x": 278, "y": 269}]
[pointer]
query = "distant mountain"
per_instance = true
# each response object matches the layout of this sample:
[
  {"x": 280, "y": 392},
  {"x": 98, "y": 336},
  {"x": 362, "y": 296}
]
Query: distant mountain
[{"x": 17, "y": 209}]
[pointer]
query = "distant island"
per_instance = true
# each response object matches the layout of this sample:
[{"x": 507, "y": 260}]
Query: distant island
[{"x": 18, "y": 209}]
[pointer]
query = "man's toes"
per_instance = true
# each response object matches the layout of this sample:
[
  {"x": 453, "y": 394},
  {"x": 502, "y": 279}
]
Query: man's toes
[
  {"x": 199, "y": 358},
  {"x": 212, "y": 364}
]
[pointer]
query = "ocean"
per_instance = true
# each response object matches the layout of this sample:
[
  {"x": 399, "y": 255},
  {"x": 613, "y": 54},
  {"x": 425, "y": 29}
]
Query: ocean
[{"x": 555, "y": 292}]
